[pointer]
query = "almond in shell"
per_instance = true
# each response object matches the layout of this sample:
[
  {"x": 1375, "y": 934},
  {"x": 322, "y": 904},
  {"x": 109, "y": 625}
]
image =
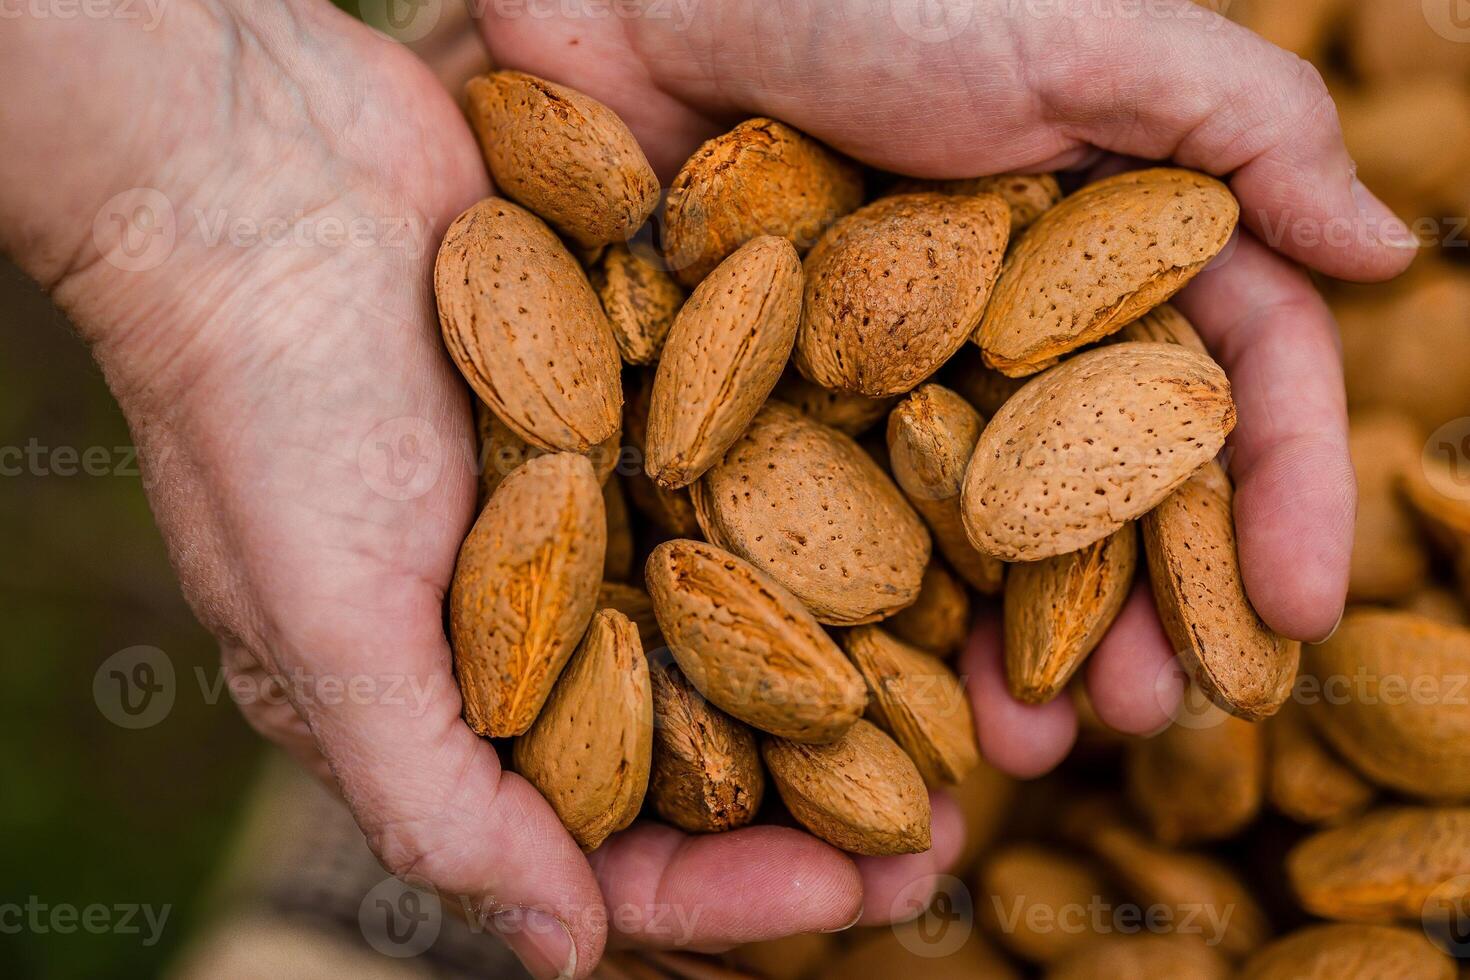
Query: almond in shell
[
  {"x": 1030, "y": 890},
  {"x": 804, "y": 503},
  {"x": 1142, "y": 954},
  {"x": 634, "y": 603},
  {"x": 1028, "y": 196},
  {"x": 1163, "y": 325},
  {"x": 525, "y": 329},
  {"x": 749, "y": 646},
  {"x": 1337, "y": 950},
  {"x": 860, "y": 793},
  {"x": 501, "y": 451},
  {"x": 939, "y": 620},
  {"x": 564, "y": 155},
  {"x": 524, "y": 590},
  {"x": 1090, "y": 445},
  {"x": 1307, "y": 781},
  {"x": 723, "y": 356},
  {"x": 844, "y": 411},
  {"x": 590, "y": 750},
  {"x": 640, "y": 299},
  {"x": 670, "y": 511},
  {"x": 1099, "y": 260},
  {"x": 896, "y": 287},
  {"x": 1202, "y": 781},
  {"x": 1389, "y": 559}
]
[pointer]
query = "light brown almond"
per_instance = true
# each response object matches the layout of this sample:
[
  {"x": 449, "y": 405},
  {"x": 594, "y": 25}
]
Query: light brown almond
[
  {"x": 1393, "y": 863},
  {"x": 982, "y": 386},
  {"x": 896, "y": 287},
  {"x": 1090, "y": 445},
  {"x": 1439, "y": 604},
  {"x": 842, "y": 410},
  {"x": 640, "y": 299},
  {"x": 1099, "y": 260},
  {"x": 1307, "y": 781},
  {"x": 749, "y": 646},
  {"x": 1302, "y": 27},
  {"x": 1058, "y": 609},
  {"x": 1236, "y": 660},
  {"x": 1393, "y": 700},
  {"x": 1163, "y": 325},
  {"x": 860, "y": 793},
  {"x": 524, "y": 589},
  {"x": 501, "y": 451},
  {"x": 525, "y": 329},
  {"x": 671, "y": 511},
  {"x": 795, "y": 957},
  {"x": 1444, "y": 516},
  {"x": 917, "y": 699},
  {"x": 564, "y": 155},
  {"x": 1389, "y": 558},
  {"x": 939, "y": 620},
  {"x": 707, "y": 772},
  {"x": 985, "y": 799},
  {"x": 1340, "y": 950},
  {"x": 723, "y": 357},
  {"x": 1142, "y": 954},
  {"x": 1031, "y": 896},
  {"x": 931, "y": 436},
  {"x": 1028, "y": 196},
  {"x": 1388, "y": 40},
  {"x": 804, "y": 503},
  {"x": 617, "y": 562},
  {"x": 916, "y": 949},
  {"x": 1199, "y": 782},
  {"x": 590, "y": 750},
  {"x": 634, "y": 603},
  {"x": 760, "y": 178}
]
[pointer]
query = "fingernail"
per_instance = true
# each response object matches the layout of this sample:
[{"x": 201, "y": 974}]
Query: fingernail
[
  {"x": 1332, "y": 632},
  {"x": 540, "y": 941},
  {"x": 1383, "y": 224},
  {"x": 855, "y": 920}
]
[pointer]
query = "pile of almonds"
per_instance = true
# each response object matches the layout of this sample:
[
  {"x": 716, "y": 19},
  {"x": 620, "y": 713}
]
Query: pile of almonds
[{"x": 747, "y": 465}]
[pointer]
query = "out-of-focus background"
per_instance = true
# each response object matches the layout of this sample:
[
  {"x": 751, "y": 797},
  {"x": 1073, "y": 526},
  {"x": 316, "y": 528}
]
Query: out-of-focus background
[{"x": 181, "y": 844}]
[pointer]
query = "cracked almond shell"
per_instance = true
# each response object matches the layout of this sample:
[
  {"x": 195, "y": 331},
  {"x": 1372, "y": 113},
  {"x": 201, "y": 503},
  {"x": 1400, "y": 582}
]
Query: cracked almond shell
[
  {"x": 806, "y": 505},
  {"x": 524, "y": 590},
  {"x": 749, "y": 646},
  {"x": 860, "y": 793},
  {"x": 722, "y": 358},
  {"x": 525, "y": 329},
  {"x": 1090, "y": 445},
  {"x": 896, "y": 287},
  {"x": 1099, "y": 260},
  {"x": 590, "y": 750},
  {"x": 562, "y": 154}
]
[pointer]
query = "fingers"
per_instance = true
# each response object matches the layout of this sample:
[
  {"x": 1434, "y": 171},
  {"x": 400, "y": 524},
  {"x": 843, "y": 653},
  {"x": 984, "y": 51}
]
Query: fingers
[
  {"x": 1020, "y": 739},
  {"x": 897, "y": 889},
  {"x": 1295, "y": 491},
  {"x": 1133, "y": 679},
  {"x": 665, "y": 888}
]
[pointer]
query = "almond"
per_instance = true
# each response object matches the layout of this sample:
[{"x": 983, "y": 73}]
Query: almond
[
  {"x": 1392, "y": 701},
  {"x": 1028, "y": 196},
  {"x": 1200, "y": 782},
  {"x": 1389, "y": 560},
  {"x": 1308, "y": 783},
  {"x": 524, "y": 327},
  {"x": 1090, "y": 445},
  {"x": 634, "y": 603},
  {"x": 1393, "y": 863},
  {"x": 671, "y": 511},
  {"x": 860, "y": 793},
  {"x": 723, "y": 357},
  {"x": 749, "y": 646},
  {"x": 844, "y": 411},
  {"x": 524, "y": 589},
  {"x": 1173, "y": 955},
  {"x": 804, "y": 503},
  {"x": 590, "y": 750},
  {"x": 617, "y": 561},
  {"x": 760, "y": 178},
  {"x": 1030, "y": 891},
  {"x": 565, "y": 156},
  {"x": 916, "y": 949},
  {"x": 1100, "y": 259},
  {"x": 1163, "y": 325},
  {"x": 640, "y": 299},
  {"x": 1389, "y": 40},
  {"x": 501, "y": 451},
  {"x": 707, "y": 772},
  {"x": 896, "y": 287},
  {"x": 1337, "y": 950},
  {"x": 1058, "y": 609},
  {"x": 918, "y": 700},
  {"x": 931, "y": 437},
  {"x": 939, "y": 620},
  {"x": 795, "y": 957},
  {"x": 982, "y": 386},
  {"x": 1444, "y": 518},
  {"x": 1234, "y": 658}
]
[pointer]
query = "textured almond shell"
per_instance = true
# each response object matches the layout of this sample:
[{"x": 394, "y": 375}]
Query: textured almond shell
[
  {"x": 1199, "y": 783},
  {"x": 917, "y": 699},
  {"x": 1119, "y": 955},
  {"x": 1058, "y": 609},
  {"x": 524, "y": 589},
  {"x": 564, "y": 155},
  {"x": 1340, "y": 950},
  {"x": 1163, "y": 325},
  {"x": 501, "y": 451},
  {"x": 896, "y": 287},
  {"x": 1100, "y": 259},
  {"x": 843, "y": 410},
  {"x": 1395, "y": 702},
  {"x": 670, "y": 511},
  {"x": 982, "y": 386},
  {"x": 722, "y": 358},
  {"x": 1090, "y": 445},
  {"x": 939, "y": 620},
  {"x": 807, "y": 506},
  {"x": 1393, "y": 863},
  {"x": 617, "y": 561},
  {"x": 1307, "y": 781},
  {"x": 760, "y": 178},
  {"x": 860, "y": 793},
  {"x": 634, "y": 603},
  {"x": 1028, "y": 890},
  {"x": 707, "y": 773},
  {"x": 640, "y": 300},
  {"x": 1389, "y": 558},
  {"x": 931, "y": 437},
  {"x": 590, "y": 750},
  {"x": 525, "y": 329},
  {"x": 1028, "y": 196},
  {"x": 749, "y": 646}
]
